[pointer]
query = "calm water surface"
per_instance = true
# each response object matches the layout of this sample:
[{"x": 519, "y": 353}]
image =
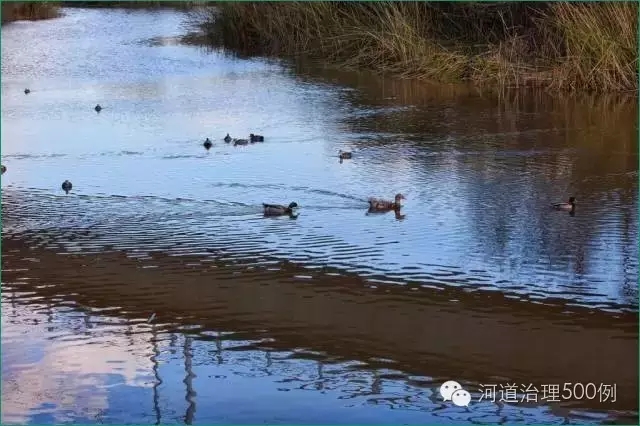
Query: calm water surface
[{"x": 338, "y": 316}]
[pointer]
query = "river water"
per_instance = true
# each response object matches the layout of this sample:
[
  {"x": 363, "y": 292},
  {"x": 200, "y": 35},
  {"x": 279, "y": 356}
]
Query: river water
[{"x": 335, "y": 317}]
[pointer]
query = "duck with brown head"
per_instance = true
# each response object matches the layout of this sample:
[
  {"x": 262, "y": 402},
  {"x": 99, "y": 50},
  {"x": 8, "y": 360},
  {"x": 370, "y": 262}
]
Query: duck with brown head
[{"x": 377, "y": 204}]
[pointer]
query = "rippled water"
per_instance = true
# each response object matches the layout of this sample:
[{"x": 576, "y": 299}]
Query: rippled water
[{"x": 337, "y": 316}]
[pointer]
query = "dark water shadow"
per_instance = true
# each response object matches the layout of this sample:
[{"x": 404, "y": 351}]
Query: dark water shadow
[{"x": 481, "y": 337}]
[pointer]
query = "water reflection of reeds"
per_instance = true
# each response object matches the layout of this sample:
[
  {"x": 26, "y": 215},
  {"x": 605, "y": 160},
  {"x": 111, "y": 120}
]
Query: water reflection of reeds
[
  {"x": 293, "y": 371},
  {"x": 156, "y": 375},
  {"x": 412, "y": 331},
  {"x": 370, "y": 382},
  {"x": 531, "y": 145}
]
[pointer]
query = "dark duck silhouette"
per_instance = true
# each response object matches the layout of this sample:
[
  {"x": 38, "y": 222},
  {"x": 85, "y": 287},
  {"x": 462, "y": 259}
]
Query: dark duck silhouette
[
  {"x": 279, "y": 210},
  {"x": 344, "y": 155},
  {"x": 227, "y": 138},
  {"x": 207, "y": 144},
  {"x": 256, "y": 138},
  {"x": 98, "y": 108},
  {"x": 27, "y": 91},
  {"x": 66, "y": 186}
]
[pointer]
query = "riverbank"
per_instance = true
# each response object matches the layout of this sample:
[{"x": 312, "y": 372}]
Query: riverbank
[
  {"x": 559, "y": 46},
  {"x": 15, "y": 11}
]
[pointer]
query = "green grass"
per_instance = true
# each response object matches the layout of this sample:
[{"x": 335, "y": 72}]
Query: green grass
[{"x": 558, "y": 46}]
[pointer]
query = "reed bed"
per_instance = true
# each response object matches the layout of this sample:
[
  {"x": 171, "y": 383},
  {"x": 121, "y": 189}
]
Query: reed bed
[
  {"x": 564, "y": 46},
  {"x": 33, "y": 10}
]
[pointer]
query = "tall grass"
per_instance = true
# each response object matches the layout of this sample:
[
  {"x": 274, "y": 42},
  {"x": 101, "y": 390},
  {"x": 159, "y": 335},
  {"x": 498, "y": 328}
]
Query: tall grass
[
  {"x": 560, "y": 46},
  {"x": 32, "y": 10}
]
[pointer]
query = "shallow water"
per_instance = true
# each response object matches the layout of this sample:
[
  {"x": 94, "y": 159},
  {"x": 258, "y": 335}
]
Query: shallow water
[{"x": 338, "y": 316}]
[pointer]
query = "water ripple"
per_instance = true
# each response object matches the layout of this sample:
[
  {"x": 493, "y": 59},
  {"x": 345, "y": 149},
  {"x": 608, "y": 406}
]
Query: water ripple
[{"x": 156, "y": 224}]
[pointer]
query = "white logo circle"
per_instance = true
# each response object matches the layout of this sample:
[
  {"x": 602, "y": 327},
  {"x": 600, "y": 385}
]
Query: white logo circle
[
  {"x": 448, "y": 388},
  {"x": 461, "y": 398}
]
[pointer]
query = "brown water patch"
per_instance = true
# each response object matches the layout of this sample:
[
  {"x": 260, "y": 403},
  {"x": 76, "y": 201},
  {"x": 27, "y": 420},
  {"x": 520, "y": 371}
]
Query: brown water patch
[{"x": 484, "y": 338}]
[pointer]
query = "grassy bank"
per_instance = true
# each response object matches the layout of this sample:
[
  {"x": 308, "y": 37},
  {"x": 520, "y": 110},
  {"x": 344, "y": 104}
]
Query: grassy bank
[
  {"x": 560, "y": 46},
  {"x": 32, "y": 10}
]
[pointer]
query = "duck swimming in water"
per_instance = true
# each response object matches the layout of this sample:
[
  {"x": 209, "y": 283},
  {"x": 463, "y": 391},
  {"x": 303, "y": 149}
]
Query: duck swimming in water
[
  {"x": 227, "y": 138},
  {"x": 98, "y": 108},
  {"x": 344, "y": 155},
  {"x": 376, "y": 204},
  {"x": 4, "y": 168},
  {"x": 207, "y": 144},
  {"x": 278, "y": 210},
  {"x": 240, "y": 142},
  {"x": 569, "y": 206},
  {"x": 27, "y": 91},
  {"x": 66, "y": 186},
  {"x": 256, "y": 138}
]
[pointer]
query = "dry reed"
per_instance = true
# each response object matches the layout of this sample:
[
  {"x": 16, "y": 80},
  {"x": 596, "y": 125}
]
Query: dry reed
[
  {"x": 14, "y": 11},
  {"x": 559, "y": 46}
]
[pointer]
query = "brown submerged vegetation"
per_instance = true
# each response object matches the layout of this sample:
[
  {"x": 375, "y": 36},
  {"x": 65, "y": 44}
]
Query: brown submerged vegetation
[
  {"x": 31, "y": 10},
  {"x": 565, "y": 46}
]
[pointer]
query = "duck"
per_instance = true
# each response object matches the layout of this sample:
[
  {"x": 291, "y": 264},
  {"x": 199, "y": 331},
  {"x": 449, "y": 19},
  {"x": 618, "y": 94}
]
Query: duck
[
  {"x": 227, "y": 138},
  {"x": 344, "y": 155},
  {"x": 256, "y": 138},
  {"x": 4, "y": 168},
  {"x": 27, "y": 91},
  {"x": 240, "y": 142},
  {"x": 569, "y": 206},
  {"x": 376, "y": 204},
  {"x": 66, "y": 186},
  {"x": 278, "y": 210},
  {"x": 98, "y": 108},
  {"x": 207, "y": 144}
]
